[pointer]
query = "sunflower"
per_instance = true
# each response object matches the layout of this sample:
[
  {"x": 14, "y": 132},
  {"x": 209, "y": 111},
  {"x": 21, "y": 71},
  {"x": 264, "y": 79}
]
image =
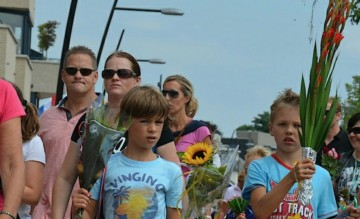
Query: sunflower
[{"x": 198, "y": 154}]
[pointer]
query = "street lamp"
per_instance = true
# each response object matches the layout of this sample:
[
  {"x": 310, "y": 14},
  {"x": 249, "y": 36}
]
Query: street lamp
[
  {"x": 152, "y": 61},
  {"x": 70, "y": 21},
  {"x": 165, "y": 11}
]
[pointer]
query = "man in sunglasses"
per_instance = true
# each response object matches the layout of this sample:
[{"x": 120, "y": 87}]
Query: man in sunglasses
[
  {"x": 79, "y": 75},
  {"x": 336, "y": 138}
]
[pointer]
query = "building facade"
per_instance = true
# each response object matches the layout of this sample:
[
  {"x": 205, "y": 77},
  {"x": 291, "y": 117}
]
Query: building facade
[{"x": 36, "y": 78}]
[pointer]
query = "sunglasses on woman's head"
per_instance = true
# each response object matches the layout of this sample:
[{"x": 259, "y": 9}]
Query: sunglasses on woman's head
[
  {"x": 172, "y": 93},
  {"x": 355, "y": 130},
  {"x": 121, "y": 73},
  {"x": 83, "y": 71}
]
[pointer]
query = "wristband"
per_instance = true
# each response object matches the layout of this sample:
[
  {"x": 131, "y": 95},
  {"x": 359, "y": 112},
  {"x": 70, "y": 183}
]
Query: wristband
[
  {"x": 8, "y": 214},
  {"x": 295, "y": 176}
]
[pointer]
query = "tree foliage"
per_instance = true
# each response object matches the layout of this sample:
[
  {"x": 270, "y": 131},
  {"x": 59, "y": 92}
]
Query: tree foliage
[
  {"x": 47, "y": 35},
  {"x": 260, "y": 123},
  {"x": 355, "y": 12},
  {"x": 352, "y": 103}
]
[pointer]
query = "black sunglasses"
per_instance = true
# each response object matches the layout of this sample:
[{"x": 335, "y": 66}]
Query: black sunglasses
[
  {"x": 172, "y": 93},
  {"x": 121, "y": 73},
  {"x": 83, "y": 71},
  {"x": 355, "y": 130}
]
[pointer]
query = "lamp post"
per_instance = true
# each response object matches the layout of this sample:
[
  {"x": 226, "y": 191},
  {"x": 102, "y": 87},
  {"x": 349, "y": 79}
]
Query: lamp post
[
  {"x": 165, "y": 11},
  {"x": 152, "y": 61},
  {"x": 70, "y": 21},
  {"x": 120, "y": 39}
]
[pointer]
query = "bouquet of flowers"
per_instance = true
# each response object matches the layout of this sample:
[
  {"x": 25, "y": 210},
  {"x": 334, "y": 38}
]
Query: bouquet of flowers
[
  {"x": 331, "y": 162},
  {"x": 205, "y": 182},
  {"x": 98, "y": 141},
  {"x": 238, "y": 205},
  {"x": 315, "y": 123}
]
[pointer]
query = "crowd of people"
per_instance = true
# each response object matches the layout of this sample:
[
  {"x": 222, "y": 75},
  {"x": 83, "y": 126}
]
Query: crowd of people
[{"x": 143, "y": 177}]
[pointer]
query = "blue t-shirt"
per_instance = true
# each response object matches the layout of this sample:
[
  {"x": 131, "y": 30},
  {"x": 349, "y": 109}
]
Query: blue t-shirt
[
  {"x": 136, "y": 189},
  {"x": 268, "y": 172}
]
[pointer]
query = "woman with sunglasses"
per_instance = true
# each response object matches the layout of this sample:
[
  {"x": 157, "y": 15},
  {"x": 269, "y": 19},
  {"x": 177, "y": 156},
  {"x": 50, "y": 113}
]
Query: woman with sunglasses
[
  {"x": 122, "y": 73},
  {"x": 187, "y": 131},
  {"x": 348, "y": 183}
]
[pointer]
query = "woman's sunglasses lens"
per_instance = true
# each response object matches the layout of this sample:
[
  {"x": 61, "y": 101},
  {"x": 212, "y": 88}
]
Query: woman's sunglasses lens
[
  {"x": 124, "y": 73},
  {"x": 108, "y": 73},
  {"x": 172, "y": 93},
  {"x": 121, "y": 73},
  {"x": 355, "y": 130}
]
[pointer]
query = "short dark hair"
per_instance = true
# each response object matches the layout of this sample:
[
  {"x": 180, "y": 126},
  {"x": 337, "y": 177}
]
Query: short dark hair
[
  {"x": 353, "y": 120},
  {"x": 80, "y": 50}
]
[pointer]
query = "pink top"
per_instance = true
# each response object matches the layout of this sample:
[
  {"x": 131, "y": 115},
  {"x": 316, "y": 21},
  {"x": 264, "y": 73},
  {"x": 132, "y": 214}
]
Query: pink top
[
  {"x": 198, "y": 134},
  {"x": 10, "y": 107},
  {"x": 55, "y": 132},
  {"x": 191, "y": 138}
]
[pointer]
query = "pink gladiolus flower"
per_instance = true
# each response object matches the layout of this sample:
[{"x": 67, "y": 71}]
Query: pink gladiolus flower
[{"x": 332, "y": 153}]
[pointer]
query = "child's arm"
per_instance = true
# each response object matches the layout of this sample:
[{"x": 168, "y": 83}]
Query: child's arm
[
  {"x": 64, "y": 182},
  {"x": 90, "y": 210},
  {"x": 264, "y": 203},
  {"x": 172, "y": 213},
  {"x": 80, "y": 199}
]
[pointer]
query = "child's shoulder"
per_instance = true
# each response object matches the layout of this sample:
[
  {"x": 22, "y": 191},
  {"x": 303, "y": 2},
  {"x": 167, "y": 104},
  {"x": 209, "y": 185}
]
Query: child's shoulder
[{"x": 320, "y": 170}]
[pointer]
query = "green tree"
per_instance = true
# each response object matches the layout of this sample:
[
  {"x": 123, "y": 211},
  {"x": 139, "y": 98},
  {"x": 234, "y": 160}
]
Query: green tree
[
  {"x": 47, "y": 35},
  {"x": 245, "y": 128},
  {"x": 352, "y": 103},
  {"x": 260, "y": 123},
  {"x": 355, "y": 12}
]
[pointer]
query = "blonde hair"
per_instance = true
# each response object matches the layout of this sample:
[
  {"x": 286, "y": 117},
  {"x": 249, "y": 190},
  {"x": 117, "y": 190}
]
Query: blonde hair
[
  {"x": 338, "y": 106},
  {"x": 188, "y": 91},
  {"x": 287, "y": 97},
  {"x": 241, "y": 176},
  {"x": 257, "y": 150}
]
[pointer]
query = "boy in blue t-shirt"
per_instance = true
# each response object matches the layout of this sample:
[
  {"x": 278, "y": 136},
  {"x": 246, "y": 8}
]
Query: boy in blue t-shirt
[
  {"x": 271, "y": 184},
  {"x": 137, "y": 182}
]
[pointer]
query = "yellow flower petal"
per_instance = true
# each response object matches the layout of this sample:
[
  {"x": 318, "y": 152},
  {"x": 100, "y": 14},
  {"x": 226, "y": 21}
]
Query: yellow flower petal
[{"x": 198, "y": 154}]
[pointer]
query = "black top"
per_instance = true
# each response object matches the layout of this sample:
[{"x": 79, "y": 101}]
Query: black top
[
  {"x": 165, "y": 138},
  {"x": 341, "y": 143}
]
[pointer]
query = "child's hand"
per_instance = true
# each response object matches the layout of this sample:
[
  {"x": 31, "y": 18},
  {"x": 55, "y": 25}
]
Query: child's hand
[
  {"x": 303, "y": 169},
  {"x": 80, "y": 199},
  {"x": 241, "y": 216},
  {"x": 354, "y": 212}
]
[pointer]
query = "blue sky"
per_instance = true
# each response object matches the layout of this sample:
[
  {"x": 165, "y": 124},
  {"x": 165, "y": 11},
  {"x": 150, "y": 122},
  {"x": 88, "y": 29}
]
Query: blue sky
[{"x": 238, "y": 54}]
